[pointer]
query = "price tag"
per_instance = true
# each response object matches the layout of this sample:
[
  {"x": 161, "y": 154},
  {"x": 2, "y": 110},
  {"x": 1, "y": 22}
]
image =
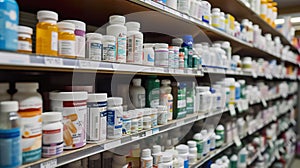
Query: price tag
[
  {"x": 184, "y": 16},
  {"x": 232, "y": 110},
  {"x": 149, "y": 133},
  {"x": 49, "y": 164},
  {"x": 237, "y": 141},
  {"x": 264, "y": 102},
  {"x": 254, "y": 75},
  {"x": 239, "y": 106},
  {"x": 155, "y": 130},
  {"x": 180, "y": 123},
  {"x": 88, "y": 64},
  {"x": 112, "y": 144},
  {"x": 157, "y": 5},
  {"x": 53, "y": 61}
]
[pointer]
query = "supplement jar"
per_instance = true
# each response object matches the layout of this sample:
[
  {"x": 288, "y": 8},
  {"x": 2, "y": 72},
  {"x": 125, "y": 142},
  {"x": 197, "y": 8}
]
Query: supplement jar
[
  {"x": 24, "y": 39},
  {"x": 126, "y": 123},
  {"x": 146, "y": 159},
  {"x": 109, "y": 48},
  {"x": 66, "y": 39},
  {"x": 74, "y": 110},
  {"x": 161, "y": 58},
  {"x": 53, "y": 142},
  {"x": 134, "y": 43},
  {"x": 183, "y": 154},
  {"x": 215, "y": 17},
  {"x": 94, "y": 47},
  {"x": 148, "y": 54},
  {"x": 114, "y": 117},
  {"x": 162, "y": 117},
  {"x": 247, "y": 64},
  {"x": 203, "y": 99}
]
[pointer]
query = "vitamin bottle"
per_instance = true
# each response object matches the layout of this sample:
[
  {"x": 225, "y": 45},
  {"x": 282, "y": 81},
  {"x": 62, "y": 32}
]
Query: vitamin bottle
[
  {"x": 109, "y": 48},
  {"x": 10, "y": 135},
  {"x": 53, "y": 142},
  {"x": 134, "y": 43},
  {"x": 222, "y": 21},
  {"x": 114, "y": 117},
  {"x": 146, "y": 159},
  {"x": 183, "y": 6},
  {"x": 166, "y": 97},
  {"x": 183, "y": 154},
  {"x": 192, "y": 151},
  {"x": 156, "y": 154},
  {"x": 4, "y": 96},
  {"x": 233, "y": 161},
  {"x": 206, "y": 11},
  {"x": 190, "y": 94},
  {"x": 117, "y": 29},
  {"x": 166, "y": 160},
  {"x": 161, "y": 58},
  {"x": 215, "y": 18},
  {"x": 179, "y": 99},
  {"x": 242, "y": 158},
  {"x": 152, "y": 91},
  {"x": 230, "y": 83},
  {"x": 47, "y": 33},
  {"x": 24, "y": 39},
  {"x": 9, "y": 25},
  {"x": 148, "y": 54},
  {"x": 137, "y": 93},
  {"x": 200, "y": 144},
  {"x": 66, "y": 39},
  {"x": 30, "y": 110},
  {"x": 94, "y": 46}
]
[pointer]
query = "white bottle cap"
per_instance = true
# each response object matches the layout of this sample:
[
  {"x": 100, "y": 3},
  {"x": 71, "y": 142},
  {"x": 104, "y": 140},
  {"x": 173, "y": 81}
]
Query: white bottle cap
[
  {"x": 242, "y": 82},
  {"x": 146, "y": 153},
  {"x": 182, "y": 149},
  {"x": 25, "y": 30},
  {"x": 137, "y": 81},
  {"x": 204, "y": 132},
  {"x": 165, "y": 82},
  {"x": 177, "y": 41},
  {"x": 167, "y": 157},
  {"x": 66, "y": 25},
  {"x": 9, "y": 106},
  {"x": 45, "y": 14},
  {"x": 146, "y": 119},
  {"x": 247, "y": 59},
  {"x": 162, "y": 108},
  {"x": 79, "y": 25},
  {"x": 198, "y": 137},
  {"x": 109, "y": 38},
  {"x": 216, "y": 10},
  {"x": 51, "y": 116},
  {"x": 156, "y": 149},
  {"x": 234, "y": 158},
  {"x": 68, "y": 96},
  {"x": 117, "y": 19},
  {"x": 133, "y": 26},
  {"x": 217, "y": 45},
  {"x": 161, "y": 45},
  {"x": 222, "y": 14},
  {"x": 25, "y": 86},
  {"x": 220, "y": 128},
  {"x": 96, "y": 36},
  {"x": 236, "y": 57},
  {"x": 4, "y": 87},
  {"x": 224, "y": 158},
  {"x": 219, "y": 162},
  {"x": 97, "y": 97},
  {"x": 114, "y": 101},
  {"x": 148, "y": 45},
  {"x": 192, "y": 144}
]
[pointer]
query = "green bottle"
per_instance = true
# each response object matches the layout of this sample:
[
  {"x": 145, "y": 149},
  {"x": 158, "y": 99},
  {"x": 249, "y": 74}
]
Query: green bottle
[
  {"x": 190, "y": 97},
  {"x": 152, "y": 91},
  {"x": 179, "y": 100}
]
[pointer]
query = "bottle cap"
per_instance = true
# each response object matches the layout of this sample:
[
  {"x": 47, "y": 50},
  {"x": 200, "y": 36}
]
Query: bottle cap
[
  {"x": 9, "y": 106},
  {"x": 133, "y": 26},
  {"x": 188, "y": 40},
  {"x": 165, "y": 82},
  {"x": 212, "y": 90},
  {"x": 220, "y": 128},
  {"x": 234, "y": 158},
  {"x": 167, "y": 157},
  {"x": 114, "y": 101},
  {"x": 236, "y": 57},
  {"x": 66, "y": 25},
  {"x": 117, "y": 19},
  {"x": 68, "y": 96},
  {"x": 97, "y": 97},
  {"x": 192, "y": 144},
  {"x": 25, "y": 86},
  {"x": 198, "y": 137},
  {"x": 108, "y": 38},
  {"x": 216, "y": 10},
  {"x": 182, "y": 149},
  {"x": 148, "y": 45},
  {"x": 146, "y": 153},
  {"x": 217, "y": 45},
  {"x": 96, "y": 36},
  {"x": 161, "y": 45},
  {"x": 4, "y": 87},
  {"x": 79, "y": 25},
  {"x": 137, "y": 81},
  {"x": 25, "y": 30},
  {"x": 45, "y": 14},
  {"x": 156, "y": 149},
  {"x": 51, "y": 116},
  {"x": 204, "y": 132}
]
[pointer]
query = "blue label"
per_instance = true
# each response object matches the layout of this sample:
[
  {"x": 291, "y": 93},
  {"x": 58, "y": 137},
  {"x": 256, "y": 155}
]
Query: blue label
[
  {"x": 96, "y": 104},
  {"x": 237, "y": 93},
  {"x": 9, "y": 20},
  {"x": 186, "y": 164},
  {"x": 32, "y": 155},
  {"x": 110, "y": 117},
  {"x": 10, "y": 145}
]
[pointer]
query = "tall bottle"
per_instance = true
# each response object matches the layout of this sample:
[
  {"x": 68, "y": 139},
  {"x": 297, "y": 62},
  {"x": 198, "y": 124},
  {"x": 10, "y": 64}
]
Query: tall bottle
[
  {"x": 188, "y": 44},
  {"x": 47, "y": 33},
  {"x": 152, "y": 91},
  {"x": 134, "y": 43},
  {"x": 117, "y": 29},
  {"x": 166, "y": 97},
  {"x": 137, "y": 93}
]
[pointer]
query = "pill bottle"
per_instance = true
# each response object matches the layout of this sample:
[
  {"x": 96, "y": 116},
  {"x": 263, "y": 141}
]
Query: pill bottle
[
  {"x": 187, "y": 46},
  {"x": 190, "y": 94},
  {"x": 152, "y": 91},
  {"x": 119, "y": 161},
  {"x": 79, "y": 32},
  {"x": 73, "y": 106},
  {"x": 192, "y": 151},
  {"x": 30, "y": 110},
  {"x": 96, "y": 117},
  {"x": 220, "y": 131},
  {"x": 166, "y": 97},
  {"x": 215, "y": 18},
  {"x": 172, "y": 4},
  {"x": 153, "y": 117},
  {"x": 10, "y": 135},
  {"x": 134, "y": 43},
  {"x": 237, "y": 60},
  {"x": 117, "y": 29},
  {"x": 237, "y": 91},
  {"x": 247, "y": 64},
  {"x": 242, "y": 158},
  {"x": 230, "y": 83},
  {"x": 109, "y": 48},
  {"x": 264, "y": 9},
  {"x": 126, "y": 123},
  {"x": 206, "y": 140},
  {"x": 212, "y": 137},
  {"x": 222, "y": 21},
  {"x": 219, "y": 141},
  {"x": 203, "y": 99},
  {"x": 47, "y": 33},
  {"x": 146, "y": 159},
  {"x": 234, "y": 161},
  {"x": 53, "y": 142},
  {"x": 176, "y": 57},
  {"x": 200, "y": 144},
  {"x": 4, "y": 96},
  {"x": 183, "y": 6},
  {"x": 206, "y": 12},
  {"x": 24, "y": 39},
  {"x": 243, "y": 88},
  {"x": 148, "y": 54},
  {"x": 137, "y": 93},
  {"x": 183, "y": 154},
  {"x": 179, "y": 99},
  {"x": 140, "y": 114},
  {"x": 166, "y": 160},
  {"x": 94, "y": 46},
  {"x": 114, "y": 117},
  {"x": 66, "y": 39},
  {"x": 162, "y": 115},
  {"x": 156, "y": 154},
  {"x": 171, "y": 57},
  {"x": 134, "y": 121},
  {"x": 161, "y": 58},
  {"x": 146, "y": 122}
]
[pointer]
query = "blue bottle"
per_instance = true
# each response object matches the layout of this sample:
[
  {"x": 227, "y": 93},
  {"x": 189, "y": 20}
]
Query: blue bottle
[{"x": 9, "y": 20}]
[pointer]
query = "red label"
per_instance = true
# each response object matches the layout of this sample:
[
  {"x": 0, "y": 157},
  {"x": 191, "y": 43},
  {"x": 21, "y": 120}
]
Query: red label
[
  {"x": 74, "y": 103},
  {"x": 51, "y": 131}
]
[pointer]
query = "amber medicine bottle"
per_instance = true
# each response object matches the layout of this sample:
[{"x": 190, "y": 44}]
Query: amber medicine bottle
[{"x": 66, "y": 39}]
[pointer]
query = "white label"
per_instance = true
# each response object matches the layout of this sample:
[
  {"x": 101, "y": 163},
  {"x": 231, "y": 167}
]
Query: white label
[
  {"x": 121, "y": 48},
  {"x": 94, "y": 50},
  {"x": 114, "y": 122},
  {"x": 134, "y": 49},
  {"x": 54, "y": 39},
  {"x": 24, "y": 46},
  {"x": 96, "y": 130},
  {"x": 232, "y": 110},
  {"x": 52, "y": 61},
  {"x": 80, "y": 46},
  {"x": 66, "y": 47},
  {"x": 88, "y": 64},
  {"x": 112, "y": 144},
  {"x": 49, "y": 164},
  {"x": 109, "y": 51}
]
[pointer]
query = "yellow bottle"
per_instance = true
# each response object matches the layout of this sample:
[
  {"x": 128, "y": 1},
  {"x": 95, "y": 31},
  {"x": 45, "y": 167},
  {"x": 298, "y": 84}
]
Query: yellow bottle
[
  {"x": 24, "y": 39},
  {"x": 47, "y": 33},
  {"x": 66, "y": 39}
]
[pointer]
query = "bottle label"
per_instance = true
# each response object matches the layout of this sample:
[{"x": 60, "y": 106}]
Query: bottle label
[
  {"x": 146, "y": 163},
  {"x": 66, "y": 47},
  {"x": 80, "y": 44},
  {"x": 114, "y": 123},
  {"x": 52, "y": 149},
  {"x": 134, "y": 49},
  {"x": 54, "y": 41},
  {"x": 126, "y": 127},
  {"x": 109, "y": 52},
  {"x": 94, "y": 50},
  {"x": 96, "y": 123},
  {"x": 199, "y": 149},
  {"x": 24, "y": 46},
  {"x": 121, "y": 48},
  {"x": 154, "y": 97},
  {"x": 186, "y": 164},
  {"x": 10, "y": 145}
]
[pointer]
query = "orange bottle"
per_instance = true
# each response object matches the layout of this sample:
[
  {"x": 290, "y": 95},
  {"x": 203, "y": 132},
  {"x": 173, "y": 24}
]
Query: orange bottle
[{"x": 66, "y": 39}]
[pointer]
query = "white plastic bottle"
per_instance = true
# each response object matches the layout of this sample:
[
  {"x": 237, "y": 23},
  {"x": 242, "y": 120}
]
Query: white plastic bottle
[
  {"x": 222, "y": 21},
  {"x": 148, "y": 54},
  {"x": 166, "y": 160},
  {"x": 117, "y": 29},
  {"x": 192, "y": 151},
  {"x": 146, "y": 159},
  {"x": 4, "y": 96},
  {"x": 215, "y": 18},
  {"x": 206, "y": 140},
  {"x": 137, "y": 93},
  {"x": 134, "y": 43},
  {"x": 183, "y": 154},
  {"x": 166, "y": 97},
  {"x": 200, "y": 144},
  {"x": 233, "y": 161},
  {"x": 184, "y": 6},
  {"x": 157, "y": 154},
  {"x": 242, "y": 158},
  {"x": 114, "y": 117}
]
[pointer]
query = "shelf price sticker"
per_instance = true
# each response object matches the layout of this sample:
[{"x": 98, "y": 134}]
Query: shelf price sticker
[
  {"x": 232, "y": 110},
  {"x": 53, "y": 61},
  {"x": 88, "y": 64},
  {"x": 112, "y": 144},
  {"x": 148, "y": 133},
  {"x": 180, "y": 123},
  {"x": 49, "y": 164}
]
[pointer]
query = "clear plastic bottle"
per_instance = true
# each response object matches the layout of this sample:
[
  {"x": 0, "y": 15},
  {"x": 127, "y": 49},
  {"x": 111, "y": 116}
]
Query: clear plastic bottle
[
  {"x": 137, "y": 93},
  {"x": 47, "y": 33},
  {"x": 4, "y": 96},
  {"x": 10, "y": 135},
  {"x": 166, "y": 97},
  {"x": 117, "y": 29},
  {"x": 66, "y": 39},
  {"x": 134, "y": 43},
  {"x": 24, "y": 39}
]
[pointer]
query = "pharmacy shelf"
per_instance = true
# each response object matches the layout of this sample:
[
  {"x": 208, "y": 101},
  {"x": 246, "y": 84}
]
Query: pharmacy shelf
[
  {"x": 16, "y": 61},
  {"x": 240, "y": 11}
]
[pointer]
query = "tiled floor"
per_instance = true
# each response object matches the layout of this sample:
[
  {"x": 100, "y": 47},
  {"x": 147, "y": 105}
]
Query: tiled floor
[{"x": 296, "y": 163}]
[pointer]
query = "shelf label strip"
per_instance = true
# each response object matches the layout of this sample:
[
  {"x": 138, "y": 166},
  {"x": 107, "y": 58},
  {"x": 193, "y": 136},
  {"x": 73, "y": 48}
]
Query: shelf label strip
[{"x": 49, "y": 164}]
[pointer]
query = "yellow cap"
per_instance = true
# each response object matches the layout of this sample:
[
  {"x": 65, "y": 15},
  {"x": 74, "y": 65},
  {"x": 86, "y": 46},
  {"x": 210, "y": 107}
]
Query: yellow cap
[
  {"x": 270, "y": 5},
  {"x": 274, "y": 9},
  {"x": 274, "y": 4},
  {"x": 263, "y": 1}
]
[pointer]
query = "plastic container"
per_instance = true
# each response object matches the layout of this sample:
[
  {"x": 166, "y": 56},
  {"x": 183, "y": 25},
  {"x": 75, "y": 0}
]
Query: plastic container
[
  {"x": 179, "y": 100},
  {"x": 200, "y": 144},
  {"x": 192, "y": 151},
  {"x": 183, "y": 154},
  {"x": 220, "y": 130},
  {"x": 4, "y": 96},
  {"x": 230, "y": 83},
  {"x": 161, "y": 58},
  {"x": 219, "y": 141},
  {"x": 183, "y": 6},
  {"x": 190, "y": 96},
  {"x": 94, "y": 46},
  {"x": 212, "y": 137},
  {"x": 162, "y": 115},
  {"x": 24, "y": 39},
  {"x": 187, "y": 45},
  {"x": 146, "y": 159},
  {"x": 206, "y": 140},
  {"x": 109, "y": 48},
  {"x": 203, "y": 99},
  {"x": 146, "y": 122},
  {"x": 30, "y": 110},
  {"x": 117, "y": 29},
  {"x": 234, "y": 161},
  {"x": 172, "y": 4},
  {"x": 10, "y": 133},
  {"x": 74, "y": 110},
  {"x": 53, "y": 142},
  {"x": 148, "y": 54},
  {"x": 137, "y": 93},
  {"x": 166, "y": 160},
  {"x": 171, "y": 57},
  {"x": 237, "y": 91},
  {"x": 47, "y": 33},
  {"x": 9, "y": 25},
  {"x": 166, "y": 97},
  {"x": 66, "y": 39},
  {"x": 114, "y": 117},
  {"x": 126, "y": 123},
  {"x": 152, "y": 91},
  {"x": 247, "y": 64},
  {"x": 157, "y": 154},
  {"x": 236, "y": 59},
  {"x": 134, "y": 43},
  {"x": 206, "y": 11},
  {"x": 96, "y": 117},
  {"x": 79, "y": 32},
  {"x": 222, "y": 21},
  {"x": 215, "y": 18},
  {"x": 242, "y": 158}
]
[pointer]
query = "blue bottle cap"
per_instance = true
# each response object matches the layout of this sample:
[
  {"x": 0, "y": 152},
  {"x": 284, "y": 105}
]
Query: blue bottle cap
[{"x": 188, "y": 40}]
